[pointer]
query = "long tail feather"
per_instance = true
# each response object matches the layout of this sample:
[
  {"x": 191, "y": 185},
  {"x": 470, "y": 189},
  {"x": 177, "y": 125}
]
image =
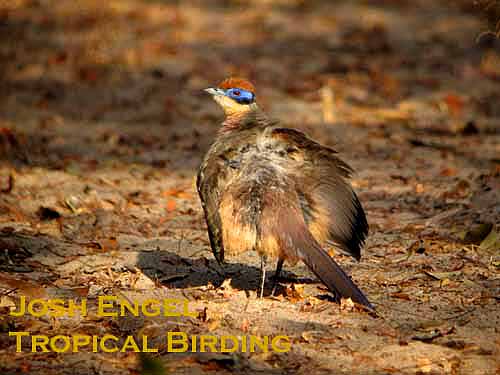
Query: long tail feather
[
  {"x": 283, "y": 221},
  {"x": 330, "y": 273}
]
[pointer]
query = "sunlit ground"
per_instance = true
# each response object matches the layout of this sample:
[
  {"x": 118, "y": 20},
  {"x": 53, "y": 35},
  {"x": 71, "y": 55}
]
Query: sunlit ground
[{"x": 103, "y": 123}]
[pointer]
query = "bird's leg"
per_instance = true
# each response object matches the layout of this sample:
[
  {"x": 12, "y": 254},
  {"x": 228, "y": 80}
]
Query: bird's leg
[
  {"x": 277, "y": 273},
  {"x": 263, "y": 274},
  {"x": 221, "y": 271}
]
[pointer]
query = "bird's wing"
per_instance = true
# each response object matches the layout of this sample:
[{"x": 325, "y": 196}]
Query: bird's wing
[
  {"x": 209, "y": 183},
  {"x": 331, "y": 209}
]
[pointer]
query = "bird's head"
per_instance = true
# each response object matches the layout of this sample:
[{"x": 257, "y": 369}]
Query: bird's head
[{"x": 234, "y": 95}]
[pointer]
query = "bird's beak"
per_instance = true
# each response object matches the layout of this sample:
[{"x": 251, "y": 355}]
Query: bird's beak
[{"x": 215, "y": 91}]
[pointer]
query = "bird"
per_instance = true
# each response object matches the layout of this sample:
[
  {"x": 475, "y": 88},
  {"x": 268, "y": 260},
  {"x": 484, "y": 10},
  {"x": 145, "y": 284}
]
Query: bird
[{"x": 271, "y": 189}]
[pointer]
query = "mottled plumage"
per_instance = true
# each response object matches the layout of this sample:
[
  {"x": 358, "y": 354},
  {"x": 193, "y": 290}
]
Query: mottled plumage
[{"x": 273, "y": 190}]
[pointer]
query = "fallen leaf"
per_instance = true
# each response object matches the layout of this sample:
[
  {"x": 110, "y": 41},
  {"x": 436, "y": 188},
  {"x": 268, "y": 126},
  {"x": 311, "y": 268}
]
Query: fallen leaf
[
  {"x": 245, "y": 325},
  {"x": 454, "y": 103},
  {"x": 73, "y": 203},
  {"x": 448, "y": 172},
  {"x": 419, "y": 188},
  {"x": 23, "y": 287},
  {"x": 25, "y": 367},
  {"x": 108, "y": 244},
  {"x": 425, "y": 365},
  {"x": 143, "y": 282},
  {"x": 81, "y": 291},
  {"x": 346, "y": 304},
  {"x": 177, "y": 193},
  {"x": 171, "y": 205},
  {"x": 400, "y": 295},
  {"x": 312, "y": 336},
  {"x": 295, "y": 292},
  {"x": 460, "y": 190},
  {"x": 445, "y": 282}
]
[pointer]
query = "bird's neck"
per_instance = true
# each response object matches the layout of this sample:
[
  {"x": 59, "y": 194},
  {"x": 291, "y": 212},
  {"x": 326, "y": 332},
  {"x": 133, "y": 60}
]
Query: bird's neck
[{"x": 235, "y": 121}]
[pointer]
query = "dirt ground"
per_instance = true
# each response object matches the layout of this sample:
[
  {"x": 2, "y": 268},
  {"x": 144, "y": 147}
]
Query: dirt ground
[{"x": 103, "y": 124}]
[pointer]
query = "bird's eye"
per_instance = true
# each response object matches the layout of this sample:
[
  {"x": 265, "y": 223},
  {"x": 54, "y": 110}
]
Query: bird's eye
[{"x": 236, "y": 93}]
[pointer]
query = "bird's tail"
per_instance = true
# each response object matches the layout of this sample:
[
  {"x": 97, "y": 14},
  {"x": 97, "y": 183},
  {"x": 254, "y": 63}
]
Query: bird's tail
[
  {"x": 283, "y": 222},
  {"x": 330, "y": 273}
]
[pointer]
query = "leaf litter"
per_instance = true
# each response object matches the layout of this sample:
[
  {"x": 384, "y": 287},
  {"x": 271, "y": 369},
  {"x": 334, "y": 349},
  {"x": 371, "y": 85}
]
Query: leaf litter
[{"x": 102, "y": 128}]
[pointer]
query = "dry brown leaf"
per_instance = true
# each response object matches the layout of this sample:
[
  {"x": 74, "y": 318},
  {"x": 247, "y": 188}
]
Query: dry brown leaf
[
  {"x": 425, "y": 365},
  {"x": 245, "y": 325},
  {"x": 454, "y": 103},
  {"x": 419, "y": 188},
  {"x": 171, "y": 205},
  {"x": 143, "y": 282},
  {"x": 176, "y": 193},
  {"x": 312, "y": 336},
  {"x": 25, "y": 367},
  {"x": 400, "y": 295},
  {"x": 460, "y": 190},
  {"x": 295, "y": 292},
  {"x": 346, "y": 304},
  {"x": 108, "y": 244},
  {"x": 448, "y": 172},
  {"x": 23, "y": 287},
  {"x": 391, "y": 370}
]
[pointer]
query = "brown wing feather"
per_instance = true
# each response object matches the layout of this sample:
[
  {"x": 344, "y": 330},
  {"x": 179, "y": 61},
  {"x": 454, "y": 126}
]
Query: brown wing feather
[
  {"x": 210, "y": 182},
  {"x": 332, "y": 210}
]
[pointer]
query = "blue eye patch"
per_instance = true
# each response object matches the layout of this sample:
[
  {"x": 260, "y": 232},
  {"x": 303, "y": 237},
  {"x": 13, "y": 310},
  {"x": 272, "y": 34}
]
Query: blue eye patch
[{"x": 241, "y": 96}]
